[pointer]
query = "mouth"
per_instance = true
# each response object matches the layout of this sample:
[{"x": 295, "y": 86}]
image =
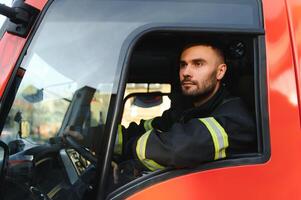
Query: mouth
[{"x": 184, "y": 83}]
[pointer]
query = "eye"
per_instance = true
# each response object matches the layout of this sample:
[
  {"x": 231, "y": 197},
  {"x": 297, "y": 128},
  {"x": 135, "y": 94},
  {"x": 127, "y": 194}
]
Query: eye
[
  {"x": 182, "y": 64},
  {"x": 199, "y": 63}
]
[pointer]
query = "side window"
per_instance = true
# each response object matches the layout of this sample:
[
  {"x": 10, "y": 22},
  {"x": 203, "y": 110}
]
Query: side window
[{"x": 156, "y": 59}]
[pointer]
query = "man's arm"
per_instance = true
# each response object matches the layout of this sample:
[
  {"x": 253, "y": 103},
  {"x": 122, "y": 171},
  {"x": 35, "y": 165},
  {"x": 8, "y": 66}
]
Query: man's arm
[
  {"x": 134, "y": 131},
  {"x": 195, "y": 142}
]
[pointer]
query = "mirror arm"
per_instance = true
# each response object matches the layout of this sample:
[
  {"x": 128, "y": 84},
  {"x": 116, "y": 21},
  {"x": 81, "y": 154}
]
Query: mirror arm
[
  {"x": 4, "y": 163},
  {"x": 20, "y": 129},
  {"x": 14, "y": 14},
  {"x": 22, "y": 17}
]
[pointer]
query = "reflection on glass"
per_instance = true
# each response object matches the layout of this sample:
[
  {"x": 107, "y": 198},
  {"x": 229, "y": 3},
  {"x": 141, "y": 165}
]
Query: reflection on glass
[{"x": 68, "y": 80}]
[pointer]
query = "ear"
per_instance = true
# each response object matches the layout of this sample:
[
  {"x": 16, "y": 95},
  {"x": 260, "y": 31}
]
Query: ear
[{"x": 221, "y": 70}]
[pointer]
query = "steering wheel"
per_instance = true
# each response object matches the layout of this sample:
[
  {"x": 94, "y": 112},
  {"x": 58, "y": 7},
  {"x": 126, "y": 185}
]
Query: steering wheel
[
  {"x": 81, "y": 150},
  {"x": 3, "y": 162}
]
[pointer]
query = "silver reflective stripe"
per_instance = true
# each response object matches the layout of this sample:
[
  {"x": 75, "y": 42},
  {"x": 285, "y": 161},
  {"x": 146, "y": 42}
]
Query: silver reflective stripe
[{"x": 219, "y": 137}]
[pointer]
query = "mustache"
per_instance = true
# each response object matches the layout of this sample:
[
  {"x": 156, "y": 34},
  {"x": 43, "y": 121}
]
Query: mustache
[{"x": 187, "y": 79}]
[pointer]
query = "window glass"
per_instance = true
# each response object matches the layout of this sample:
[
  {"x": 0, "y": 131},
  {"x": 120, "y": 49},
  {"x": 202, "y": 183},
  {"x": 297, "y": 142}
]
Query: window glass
[
  {"x": 43, "y": 108},
  {"x": 70, "y": 74}
]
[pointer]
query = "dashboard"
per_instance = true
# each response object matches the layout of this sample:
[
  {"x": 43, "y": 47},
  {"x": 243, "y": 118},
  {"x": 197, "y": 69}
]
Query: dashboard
[{"x": 74, "y": 163}]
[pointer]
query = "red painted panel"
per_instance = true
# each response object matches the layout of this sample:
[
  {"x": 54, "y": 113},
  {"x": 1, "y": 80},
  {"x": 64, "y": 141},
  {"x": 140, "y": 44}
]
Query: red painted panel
[
  {"x": 280, "y": 177},
  {"x": 39, "y": 4},
  {"x": 10, "y": 49},
  {"x": 294, "y": 8}
]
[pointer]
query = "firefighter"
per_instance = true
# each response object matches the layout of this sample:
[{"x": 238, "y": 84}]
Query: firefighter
[{"x": 215, "y": 125}]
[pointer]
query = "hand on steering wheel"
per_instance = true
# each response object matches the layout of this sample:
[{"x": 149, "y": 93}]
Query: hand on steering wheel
[{"x": 71, "y": 138}]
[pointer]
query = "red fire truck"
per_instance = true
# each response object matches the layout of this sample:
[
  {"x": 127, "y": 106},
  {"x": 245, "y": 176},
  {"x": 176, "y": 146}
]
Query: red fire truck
[{"x": 88, "y": 64}]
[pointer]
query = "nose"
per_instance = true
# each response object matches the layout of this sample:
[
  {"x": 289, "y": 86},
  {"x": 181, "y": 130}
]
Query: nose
[{"x": 185, "y": 71}]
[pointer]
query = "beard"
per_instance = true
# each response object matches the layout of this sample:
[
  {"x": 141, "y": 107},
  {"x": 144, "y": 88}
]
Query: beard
[{"x": 198, "y": 90}]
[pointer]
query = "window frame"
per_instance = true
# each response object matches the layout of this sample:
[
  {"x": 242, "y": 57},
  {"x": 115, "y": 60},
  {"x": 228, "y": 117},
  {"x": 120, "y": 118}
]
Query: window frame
[{"x": 261, "y": 112}]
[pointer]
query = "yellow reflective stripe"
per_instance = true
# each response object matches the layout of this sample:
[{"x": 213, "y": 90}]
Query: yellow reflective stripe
[
  {"x": 54, "y": 191},
  {"x": 43, "y": 160},
  {"x": 214, "y": 138},
  {"x": 148, "y": 125},
  {"x": 152, "y": 165},
  {"x": 219, "y": 137},
  {"x": 224, "y": 136},
  {"x": 118, "y": 141},
  {"x": 140, "y": 151}
]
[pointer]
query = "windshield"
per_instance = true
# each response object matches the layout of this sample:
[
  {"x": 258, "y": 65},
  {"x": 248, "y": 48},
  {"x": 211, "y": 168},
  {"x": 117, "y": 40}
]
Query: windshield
[{"x": 70, "y": 75}]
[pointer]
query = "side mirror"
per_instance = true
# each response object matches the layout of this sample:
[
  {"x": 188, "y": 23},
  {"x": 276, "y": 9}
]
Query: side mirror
[
  {"x": 147, "y": 101},
  {"x": 146, "y": 106},
  {"x": 32, "y": 94},
  {"x": 3, "y": 161}
]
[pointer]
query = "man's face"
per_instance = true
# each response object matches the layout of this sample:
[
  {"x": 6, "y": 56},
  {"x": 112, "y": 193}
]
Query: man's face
[{"x": 201, "y": 69}]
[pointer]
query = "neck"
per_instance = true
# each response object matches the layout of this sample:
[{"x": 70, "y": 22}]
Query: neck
[{"x": 200, "y": 101}]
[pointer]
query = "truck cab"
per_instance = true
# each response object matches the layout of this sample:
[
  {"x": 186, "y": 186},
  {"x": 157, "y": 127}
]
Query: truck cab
[{"x": 72, "y": 72}]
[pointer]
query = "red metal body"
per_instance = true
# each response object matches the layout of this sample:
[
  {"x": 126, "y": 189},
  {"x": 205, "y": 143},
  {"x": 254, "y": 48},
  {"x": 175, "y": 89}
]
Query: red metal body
[
  {"x": 10, "y": 49},
  {"x": 294, "y": 15},
  {"x": 280, "y": 177}
]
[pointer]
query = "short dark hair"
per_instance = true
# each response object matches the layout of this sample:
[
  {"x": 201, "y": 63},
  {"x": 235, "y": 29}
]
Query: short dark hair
[{"x": 214, "y": 44}]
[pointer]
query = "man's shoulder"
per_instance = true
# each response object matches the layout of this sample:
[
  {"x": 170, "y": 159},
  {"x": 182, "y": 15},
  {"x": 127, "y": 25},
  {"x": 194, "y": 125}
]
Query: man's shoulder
[
  {"x": 234, "y": 110},
  {"x": 232, "y": 104}
]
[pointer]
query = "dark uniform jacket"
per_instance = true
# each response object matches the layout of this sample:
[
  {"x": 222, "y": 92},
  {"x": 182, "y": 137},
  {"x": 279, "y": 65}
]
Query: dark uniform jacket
[{"x": 220, "y": 128}]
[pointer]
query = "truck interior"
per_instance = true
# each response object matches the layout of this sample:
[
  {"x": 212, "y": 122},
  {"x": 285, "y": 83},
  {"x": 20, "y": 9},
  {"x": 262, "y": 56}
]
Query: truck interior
[{"x": 155, "y": 60}]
